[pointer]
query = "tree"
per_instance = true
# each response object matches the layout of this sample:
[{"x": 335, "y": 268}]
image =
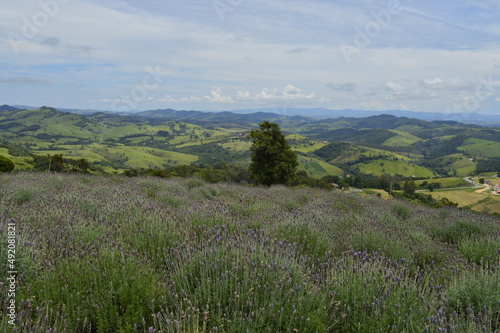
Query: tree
[
  {"x": 409, "y": 186},
  {"x": 57, "y": 163},
  {"x": 273, "y": 161},
  {"x": 6, "y": 164}
]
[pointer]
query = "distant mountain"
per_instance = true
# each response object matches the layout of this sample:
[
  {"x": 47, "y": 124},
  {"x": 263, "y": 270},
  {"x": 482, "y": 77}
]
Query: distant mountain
[
  {"x": 322, "y": 113},
  {"x": 224, "y": 118},
  {"x": 6, "y": 107},
  {"x": 280, "y": 114},
  {"x": 385, "y": 121}
]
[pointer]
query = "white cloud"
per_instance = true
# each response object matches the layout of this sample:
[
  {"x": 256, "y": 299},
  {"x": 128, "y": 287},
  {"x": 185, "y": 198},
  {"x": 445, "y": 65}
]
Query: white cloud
[
  {"x": 288, "y": 93},
  {"x": 399, "y": 92},
  {"x": 394, "y": 87},
  {"x": 372, "y": 105},
  {"x": 447, "y": 84},
  {"x": 217, "y": 97}
]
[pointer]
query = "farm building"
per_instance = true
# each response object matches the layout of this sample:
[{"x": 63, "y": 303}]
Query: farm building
[{"x": 497, "y": 188}]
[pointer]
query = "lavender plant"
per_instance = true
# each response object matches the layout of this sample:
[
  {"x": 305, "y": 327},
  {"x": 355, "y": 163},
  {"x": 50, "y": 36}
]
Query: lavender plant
[{"x": 117, "y": 254}]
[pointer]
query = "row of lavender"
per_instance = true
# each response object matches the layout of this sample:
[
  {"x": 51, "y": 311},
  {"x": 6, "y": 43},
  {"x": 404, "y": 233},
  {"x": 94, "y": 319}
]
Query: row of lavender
[{"x": 113, "y": 254}]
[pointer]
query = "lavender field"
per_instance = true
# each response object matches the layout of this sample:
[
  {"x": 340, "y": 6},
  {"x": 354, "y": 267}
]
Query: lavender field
[{"x": 117, "y": 254}]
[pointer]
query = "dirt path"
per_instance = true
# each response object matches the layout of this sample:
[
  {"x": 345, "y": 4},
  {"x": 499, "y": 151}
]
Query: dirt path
[{"x": 486, "y": 187}]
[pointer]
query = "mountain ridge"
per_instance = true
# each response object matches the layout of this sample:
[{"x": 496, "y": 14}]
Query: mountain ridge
[{"x": 490, "y": 120}]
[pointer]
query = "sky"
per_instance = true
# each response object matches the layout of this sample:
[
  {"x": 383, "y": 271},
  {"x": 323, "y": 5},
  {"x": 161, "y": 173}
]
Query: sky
[{"x": 215, "y": 55}]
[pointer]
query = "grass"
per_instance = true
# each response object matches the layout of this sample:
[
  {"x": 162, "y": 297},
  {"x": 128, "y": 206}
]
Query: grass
[
  {"x": 402, "y": 139},
  {"x": 133, "y": 157},
  {"x": 317, "y": 168},
  {"x": 480, "y": 147},
  {"x": 448, "y": 182},
  {"x": 469, "y": 198},
  {"x": 117, "y": 254},
  {"x": 380, "y": 167}
]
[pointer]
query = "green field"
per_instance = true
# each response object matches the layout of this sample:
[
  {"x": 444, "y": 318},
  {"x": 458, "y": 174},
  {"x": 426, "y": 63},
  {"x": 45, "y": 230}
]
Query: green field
[
  {"x": 317, "y": 168},
  {"x": 449, "y": 182},
  {"x": 129, "y": 156},
  {"x": 482, "y": 148},
  {"x": 402, "y": 139},
  {"x": 380, "y": 167}
]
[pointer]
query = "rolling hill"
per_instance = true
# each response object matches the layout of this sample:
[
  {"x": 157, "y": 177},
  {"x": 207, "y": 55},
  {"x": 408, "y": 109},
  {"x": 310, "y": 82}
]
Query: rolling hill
[{"x": 159, "y": 138}]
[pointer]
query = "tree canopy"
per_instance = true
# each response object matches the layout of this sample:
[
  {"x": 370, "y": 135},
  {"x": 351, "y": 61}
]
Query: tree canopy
[
  {"x": 6, "y": 164},
  {"x": 273, "y": 161}
]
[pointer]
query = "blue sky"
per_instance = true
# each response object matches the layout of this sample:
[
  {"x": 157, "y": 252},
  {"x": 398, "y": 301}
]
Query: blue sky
[{"x": 440, "y": 56}]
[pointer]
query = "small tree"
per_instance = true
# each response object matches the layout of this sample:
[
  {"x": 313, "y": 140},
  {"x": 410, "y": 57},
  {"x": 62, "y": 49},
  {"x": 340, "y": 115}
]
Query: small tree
[
  {"x": 6, "y": 164},
  {"x": 273, "y": 161},
  {"x": 409, "y": 186},
  {"x": 57, "y": 163}
]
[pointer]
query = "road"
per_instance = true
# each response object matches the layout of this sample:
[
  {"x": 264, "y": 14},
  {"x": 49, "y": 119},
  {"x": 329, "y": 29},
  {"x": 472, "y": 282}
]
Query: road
[{"x": 467, "y": 179}]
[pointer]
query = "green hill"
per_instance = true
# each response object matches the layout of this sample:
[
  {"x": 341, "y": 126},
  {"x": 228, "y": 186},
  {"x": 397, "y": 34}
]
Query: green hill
[{"x": 159, "y": 138}]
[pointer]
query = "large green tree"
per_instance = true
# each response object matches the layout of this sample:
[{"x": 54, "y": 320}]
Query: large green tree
[
  {"x": 6, "y": 164},
  {"x": 273, "y": 161}
]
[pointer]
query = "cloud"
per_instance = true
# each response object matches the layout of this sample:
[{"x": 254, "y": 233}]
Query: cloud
[
  {"x": 299, "y": 50},
  {"x": 77, "y": 84},
  {"x": 446, "y": 84},
  {"x": 27, "y": 80},
  {"x": 107, "y": 100},
  {"x": 288, "y": 93},
  {"x": 80, "y": 49},
  {"x": 429, "y": 49},
  {"x": 394, "y": 87},
  {"x": 51, "y": 41},
  {"x": 217, "y": 97},
  {"x": 349, "y": 87},
  {"x": 399, "y": 91},
  {"x": 372, "y": 105}
]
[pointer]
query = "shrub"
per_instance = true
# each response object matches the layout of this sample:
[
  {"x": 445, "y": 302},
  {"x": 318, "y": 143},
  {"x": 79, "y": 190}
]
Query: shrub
[
  {"x": 25, "y": 195},
  {"x": 6, "y": 164}
]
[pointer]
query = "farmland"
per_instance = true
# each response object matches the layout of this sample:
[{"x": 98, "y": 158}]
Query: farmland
[
  {"x": 485, "y": 201},
  {"x": 118, "y": 254}
]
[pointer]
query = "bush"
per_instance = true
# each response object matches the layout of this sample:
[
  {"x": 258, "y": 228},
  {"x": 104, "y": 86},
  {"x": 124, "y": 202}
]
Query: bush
[{"x": 6, "y": 165}]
